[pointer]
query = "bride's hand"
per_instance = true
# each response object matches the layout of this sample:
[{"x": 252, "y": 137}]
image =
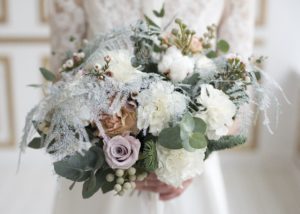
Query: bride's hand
[{"x": 166, "y": 192}]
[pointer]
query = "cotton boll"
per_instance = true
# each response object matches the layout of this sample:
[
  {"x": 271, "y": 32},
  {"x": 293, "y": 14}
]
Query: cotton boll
[
  {"x": 176, "y": 66},
  {"x": 181, "y": 68}
]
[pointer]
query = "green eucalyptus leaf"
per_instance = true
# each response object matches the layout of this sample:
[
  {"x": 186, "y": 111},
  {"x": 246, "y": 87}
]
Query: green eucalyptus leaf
[
  {"x": 186, "y": 145},
  {"x": 100, "y": 157},
  {"x": 187, "y": 123},
  {"x": 150, "y": 22},
  {"x": 211, "y": 54},
  {"x": 107, "y": 187},
  {"x": 200, "y": 125},
  {"x": 223, "y": 46},
  {"x": 36, "y": 143},
  {"x": 48, "y": 75},
  {"x": 35, "y": 85},
  {"x": 161, "y": 13},
  {"x": 77, "y": 167},
  {"x": 89, "y": 187},
  {"x": 170, "y": 138},
  {"x": 197, "y": 140},
  {"x": 192, "y": 80}
]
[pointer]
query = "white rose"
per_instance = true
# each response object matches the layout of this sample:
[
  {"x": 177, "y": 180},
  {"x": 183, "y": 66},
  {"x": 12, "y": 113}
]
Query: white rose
[
  {"x": 218, "y": 111},
  {"x": 176, "y": 166},
  {"x": 158, "y": 106},
  {"x": 175, "y": 65}
]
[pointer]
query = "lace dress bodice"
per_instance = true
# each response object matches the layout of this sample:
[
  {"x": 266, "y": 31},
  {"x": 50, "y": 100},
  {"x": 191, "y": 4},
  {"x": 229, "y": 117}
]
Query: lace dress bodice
[{"x": 84, "y": 19}]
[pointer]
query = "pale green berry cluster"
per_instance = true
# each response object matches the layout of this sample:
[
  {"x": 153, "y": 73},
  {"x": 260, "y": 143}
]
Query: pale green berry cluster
[{"x": 125, "y": 179}]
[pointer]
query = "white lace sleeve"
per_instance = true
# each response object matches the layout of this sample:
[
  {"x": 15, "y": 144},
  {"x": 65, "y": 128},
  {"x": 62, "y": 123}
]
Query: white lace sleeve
[
  {"x": 237, "y": 26},
  {"x": 67, "y": 20}
]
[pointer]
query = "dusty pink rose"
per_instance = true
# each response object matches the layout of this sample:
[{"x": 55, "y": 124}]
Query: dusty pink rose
[
  {"x": 196, "y": 45},
  {"x": 121, "y": 152}
]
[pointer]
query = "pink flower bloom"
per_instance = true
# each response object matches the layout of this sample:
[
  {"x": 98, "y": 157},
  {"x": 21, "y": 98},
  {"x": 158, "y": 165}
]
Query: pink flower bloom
[{"x": 121, "y": 152}]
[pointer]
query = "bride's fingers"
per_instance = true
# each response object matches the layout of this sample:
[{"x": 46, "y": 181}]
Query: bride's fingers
[
  {"x": 170, "y": 195},
  {"x": 177, "y": 192}
]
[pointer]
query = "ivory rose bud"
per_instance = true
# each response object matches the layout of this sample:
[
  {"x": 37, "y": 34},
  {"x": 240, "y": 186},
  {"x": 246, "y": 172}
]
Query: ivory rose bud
[
  {"x": 121, "y": 152},
  {"x": 196, "y": 45}
]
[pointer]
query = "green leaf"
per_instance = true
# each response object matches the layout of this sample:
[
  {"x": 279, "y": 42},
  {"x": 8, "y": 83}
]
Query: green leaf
[
  {"x": 48, "y": 75},
  {"x": 223, "y": 46},
  {"x": 187, "y": 123},
  {"x": 225, "y": 142},
  {"x": 78, "y": 167},
  {"x": 36, "y": 143},
  {"x": 107, "y": 187},
  {"x": 148, "y": 159},
  {"x": 89, "y": 187},
  {"x": 192, "y": 80},
  {"x": 161, "y": 13},
  {"x": 170, "y": 138},
  {"x": 200, "y": 125},
  {"x": 197, "y": 140},
  {"x": 211, "y": 54},
  {"x": 100, "y": 157},
  {"x": 35, "y": 85},
  {"x": 150, "y": 22}
]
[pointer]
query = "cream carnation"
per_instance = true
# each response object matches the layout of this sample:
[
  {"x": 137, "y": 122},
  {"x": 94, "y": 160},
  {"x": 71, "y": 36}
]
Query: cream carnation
[
  {"x": 218, "y": 111},
  {"x": 158, "y": 106},
  {"x": 176, "y": 66},
  {"x": 176, "y": 166}
]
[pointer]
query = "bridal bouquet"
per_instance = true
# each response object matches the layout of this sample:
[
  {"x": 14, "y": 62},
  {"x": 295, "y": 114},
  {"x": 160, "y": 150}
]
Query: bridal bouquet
[{"x": 141, "y": 100}]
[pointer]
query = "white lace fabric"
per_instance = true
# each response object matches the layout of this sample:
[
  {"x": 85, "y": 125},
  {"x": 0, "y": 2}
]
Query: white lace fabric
[{"x": 80, "y": 19}]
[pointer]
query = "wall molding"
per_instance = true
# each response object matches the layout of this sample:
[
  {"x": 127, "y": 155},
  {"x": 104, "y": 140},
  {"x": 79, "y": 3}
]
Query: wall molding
[
  {"x": 24, "y": 39},
  {"x": 43, "y": 15},
  {"x": 4, "y": 11},
  {"x": 261, "y": 18},
  {"x": 6, "y": 62}
]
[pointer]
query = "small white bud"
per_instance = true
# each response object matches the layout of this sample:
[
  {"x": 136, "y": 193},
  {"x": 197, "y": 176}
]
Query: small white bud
[
  {"x": 81, "y": 55},
  {"x": 133, "y": 185},
  {"x": 120, "y": 180},
  {"x": 85, "y": 41},
  {"x": 110, "y": 177},
  {"x": 127, "y": 186},
  {"x": 70, "y": 63},
  {"x": 117, "y": 187},
  {"x": 247, "y": 79},
  {"x": 119, "y": 172},
  {"x": 131, "y": 171},
  {"x": 132, "y": 177},
  {"x": 121, "y": 193},
  {"x": 140, "y": 177},
  {"x": 97, "y": 67}
]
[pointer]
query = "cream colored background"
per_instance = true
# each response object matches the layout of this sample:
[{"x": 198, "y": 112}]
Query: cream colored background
[{"x": 261, "y": 178}]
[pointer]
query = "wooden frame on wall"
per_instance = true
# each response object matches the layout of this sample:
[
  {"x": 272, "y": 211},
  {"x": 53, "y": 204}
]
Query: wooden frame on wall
[
  {"x": 3, "y": 11},
  {"x": 43, "y": 15},
  {"x": 261, "y": 17},
  {"x": 10, "y": 142}
]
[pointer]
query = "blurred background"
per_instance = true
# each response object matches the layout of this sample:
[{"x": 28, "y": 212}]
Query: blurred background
[{"x": 262, "y": 177}]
